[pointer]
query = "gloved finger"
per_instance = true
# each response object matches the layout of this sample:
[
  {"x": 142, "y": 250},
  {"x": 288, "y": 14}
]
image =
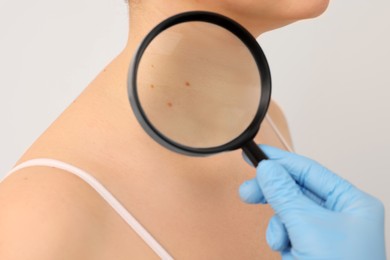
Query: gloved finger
[
  {"x": 312, "y": 196},
  {"x": 305, "y": 191},
  {"x": 319, "y": 201},
  {"x": 286, "y": 255},
  {"x": 281, "y": 191},
  {"x": 311, "y": 175},
  {"x": 276, "y": 235},
  {"x": 250, "y": 192}
]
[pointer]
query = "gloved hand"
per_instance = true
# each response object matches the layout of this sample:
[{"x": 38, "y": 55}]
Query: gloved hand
[{"x": 318, "y": 215}]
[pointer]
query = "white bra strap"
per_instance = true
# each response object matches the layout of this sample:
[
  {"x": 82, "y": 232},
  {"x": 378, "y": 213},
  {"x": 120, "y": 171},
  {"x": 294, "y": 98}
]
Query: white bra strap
[
  {"x": 95, "y": 184},
  {"x": 279, "y": 134}
]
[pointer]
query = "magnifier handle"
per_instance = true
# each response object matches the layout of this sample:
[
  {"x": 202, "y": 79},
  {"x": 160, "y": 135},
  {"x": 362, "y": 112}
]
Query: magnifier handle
[{"x": 254, "y": 153}]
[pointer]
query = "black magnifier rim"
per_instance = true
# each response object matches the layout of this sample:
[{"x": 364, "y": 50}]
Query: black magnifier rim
[{"x": 258, "y": 55}]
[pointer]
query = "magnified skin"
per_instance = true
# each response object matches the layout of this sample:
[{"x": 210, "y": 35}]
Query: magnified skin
[{"x": 224, "y": 97}]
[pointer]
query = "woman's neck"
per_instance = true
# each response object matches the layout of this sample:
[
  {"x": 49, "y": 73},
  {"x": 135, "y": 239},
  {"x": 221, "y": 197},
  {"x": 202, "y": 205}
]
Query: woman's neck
[{"x": 111, "y": 130}]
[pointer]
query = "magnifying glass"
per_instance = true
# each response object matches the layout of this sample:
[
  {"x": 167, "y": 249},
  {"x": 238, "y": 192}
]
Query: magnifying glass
[{"x": 199, "y": 84}]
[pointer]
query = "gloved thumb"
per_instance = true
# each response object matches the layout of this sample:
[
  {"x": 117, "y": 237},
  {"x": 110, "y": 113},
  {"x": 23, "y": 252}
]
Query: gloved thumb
[{"x": 281, "y": 191}]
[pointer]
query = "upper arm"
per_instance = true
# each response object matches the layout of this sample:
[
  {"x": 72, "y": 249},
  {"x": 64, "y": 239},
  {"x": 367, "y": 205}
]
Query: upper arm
[
  {"x": 44, "y": 215},
  {"x": 277, "y": 116}
]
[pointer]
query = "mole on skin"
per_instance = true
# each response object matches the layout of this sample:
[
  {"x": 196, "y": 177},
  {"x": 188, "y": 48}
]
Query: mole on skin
[
  {"x": 152, "y": 86},
  {"x": 188, "y": 84},
  {"x": 169, "y": 104}
]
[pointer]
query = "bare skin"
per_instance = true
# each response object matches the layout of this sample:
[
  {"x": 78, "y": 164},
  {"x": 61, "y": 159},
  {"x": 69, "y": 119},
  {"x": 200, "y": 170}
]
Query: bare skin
[{"x": 189, "y": 204}]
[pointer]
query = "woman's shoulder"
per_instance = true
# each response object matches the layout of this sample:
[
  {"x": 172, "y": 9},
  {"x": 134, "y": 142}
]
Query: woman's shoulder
[{"x": 46, "y": 213}]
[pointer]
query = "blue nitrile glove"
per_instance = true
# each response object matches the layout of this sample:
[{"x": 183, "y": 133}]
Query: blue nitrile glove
[{"x": 318, "y": 214}]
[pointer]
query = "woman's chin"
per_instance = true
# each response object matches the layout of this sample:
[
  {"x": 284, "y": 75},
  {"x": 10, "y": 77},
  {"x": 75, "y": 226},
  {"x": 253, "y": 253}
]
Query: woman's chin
[
  {"x": 315, "y": 9},
  {"x": 279, "y": 14}
]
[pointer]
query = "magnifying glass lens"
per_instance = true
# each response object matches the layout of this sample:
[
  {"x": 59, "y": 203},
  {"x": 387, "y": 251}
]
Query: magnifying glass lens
[{"x": 198, "y": 85}]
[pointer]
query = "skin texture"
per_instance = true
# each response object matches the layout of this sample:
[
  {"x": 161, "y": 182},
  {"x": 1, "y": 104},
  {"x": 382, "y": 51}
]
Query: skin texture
[{"x": 190, "y": 205}]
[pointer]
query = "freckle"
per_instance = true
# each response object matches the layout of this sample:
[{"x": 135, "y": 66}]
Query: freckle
[
  {"x": 188, "y": 84},
  {"x": 152, "y": 66},
  {"x": 152, "y": 86},
  {"x": 169, "y": 104}
]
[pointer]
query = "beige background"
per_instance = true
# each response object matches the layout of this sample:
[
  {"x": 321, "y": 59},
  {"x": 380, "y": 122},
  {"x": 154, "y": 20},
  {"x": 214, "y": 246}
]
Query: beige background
[{"x": 330, "y": 75}]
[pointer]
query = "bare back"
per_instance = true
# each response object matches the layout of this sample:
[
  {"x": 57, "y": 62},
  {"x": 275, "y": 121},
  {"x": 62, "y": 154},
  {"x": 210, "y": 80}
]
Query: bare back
[{"x": 189, "y": 204}]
